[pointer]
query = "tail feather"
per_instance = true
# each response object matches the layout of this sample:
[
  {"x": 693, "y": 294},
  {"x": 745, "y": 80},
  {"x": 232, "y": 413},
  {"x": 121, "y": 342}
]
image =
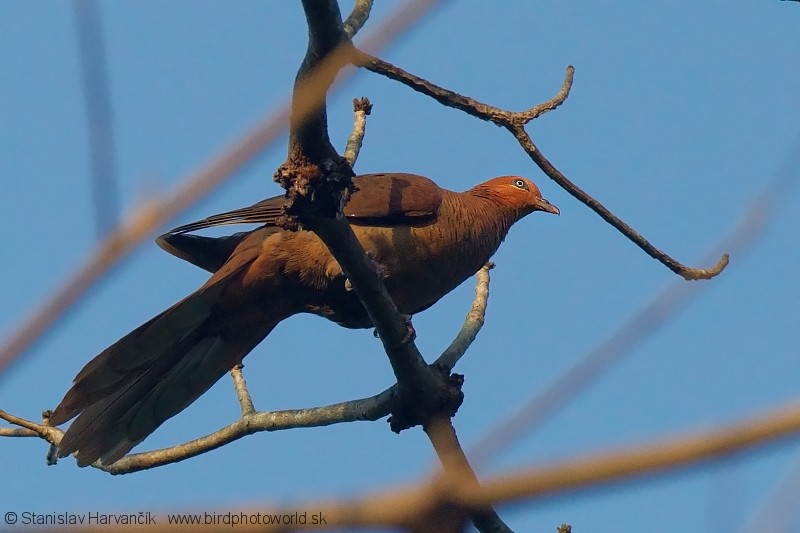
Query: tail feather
[
  {"x": 209, "y": 253},
  {"x": 138, "y": 349},
  {"x": 151, "y": 374}
]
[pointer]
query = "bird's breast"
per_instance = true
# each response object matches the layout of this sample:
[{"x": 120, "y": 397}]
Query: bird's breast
[
  {"x": 419, "y": 265},
  {"x": 422, "y": 264}
]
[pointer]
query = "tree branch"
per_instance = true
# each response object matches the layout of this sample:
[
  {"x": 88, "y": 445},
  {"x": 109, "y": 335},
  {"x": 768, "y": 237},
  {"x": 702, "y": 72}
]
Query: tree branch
[
  {"x": 515, "y": 123},
  {"x": 472, "y": 323},
  {"x": 361, "y": 108},
  {"x": 449, "y": 492},
  {"x": 751, "y": 227},
  {"x": 443, "y": 437},
  {"x": 318, "y": 184},
  {"x": 242, "y": 394},
  {"x": 358, "y": 17},
  {"x": 364, "y": 409}
]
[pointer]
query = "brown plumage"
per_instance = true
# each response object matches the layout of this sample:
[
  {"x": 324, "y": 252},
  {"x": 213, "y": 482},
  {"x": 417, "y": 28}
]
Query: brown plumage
[{"x": 427, "y": 239}]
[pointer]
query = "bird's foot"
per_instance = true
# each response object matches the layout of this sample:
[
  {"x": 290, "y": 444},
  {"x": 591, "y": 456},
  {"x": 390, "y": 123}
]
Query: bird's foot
[{"x": 411, "y": 333}]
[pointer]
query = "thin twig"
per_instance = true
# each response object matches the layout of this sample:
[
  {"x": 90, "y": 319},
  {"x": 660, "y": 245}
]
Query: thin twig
[
  {"x": 50, "y": 434},
  {"x": 472, "y": 323},
  {"x": 17, "y": 432},
  {"x": 358, "y": 17},
  {"x": 664, "y": 307},
  {"x": 515, "y": 122},
  {"x": 365, "y": 409},
  {"x": 361, "y": 108},
  {"x": 242, "y": 394}
]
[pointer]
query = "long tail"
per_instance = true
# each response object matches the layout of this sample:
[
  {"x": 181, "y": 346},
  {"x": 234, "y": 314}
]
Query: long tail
[{"x": 156, "y": 371}]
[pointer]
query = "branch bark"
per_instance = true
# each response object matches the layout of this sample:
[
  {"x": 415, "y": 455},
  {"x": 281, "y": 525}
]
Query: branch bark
[
  {"x": 515, "y": 123},
  {"x": 318, "y": 184}
]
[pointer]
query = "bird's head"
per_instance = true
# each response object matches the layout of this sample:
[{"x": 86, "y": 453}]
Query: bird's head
[{"x": 519, "y": 194}]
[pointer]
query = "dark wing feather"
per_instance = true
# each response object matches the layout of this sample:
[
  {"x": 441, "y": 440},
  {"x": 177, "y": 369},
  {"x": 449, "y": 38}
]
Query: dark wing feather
[
  {"x": 264, "y": 212},
  {"x": 379, "y": 200},
  {"x": 208, "y": 253},
  {"x": 393, "y": 199}
]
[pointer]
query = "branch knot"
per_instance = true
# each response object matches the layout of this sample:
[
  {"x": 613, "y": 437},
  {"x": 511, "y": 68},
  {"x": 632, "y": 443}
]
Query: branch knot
[
  {"x": 441, "y": 396},
  {"x": 313, "y": 192}
]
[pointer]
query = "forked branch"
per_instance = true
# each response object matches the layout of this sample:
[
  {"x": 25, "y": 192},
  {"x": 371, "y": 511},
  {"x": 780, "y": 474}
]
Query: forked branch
[{"x": 515, "y": 123}]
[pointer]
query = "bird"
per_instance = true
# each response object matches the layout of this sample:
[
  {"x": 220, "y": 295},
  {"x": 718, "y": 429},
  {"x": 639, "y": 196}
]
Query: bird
[{"x": 426, "y": 240}]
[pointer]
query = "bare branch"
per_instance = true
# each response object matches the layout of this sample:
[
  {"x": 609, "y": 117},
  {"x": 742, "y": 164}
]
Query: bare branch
[
  {"x": 515, "y": 122},
  {"x": 753, "y": 224},
  {"x": 358, "y": 17},
  {"x": 472, "y": 324},
  {"x": 50, "y": 434},
  {"x": 443, "y": 437},
  {"x": 365, "y": 409},
  {"x": 318, "y": 182},
  {"x": 17, "y": 432},
  {"x": 242, "y": 394},
  {"x": 361, "y": 108}
]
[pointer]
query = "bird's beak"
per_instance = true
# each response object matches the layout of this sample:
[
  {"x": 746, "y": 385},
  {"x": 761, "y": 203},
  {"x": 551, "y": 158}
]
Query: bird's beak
[{"x": 547, "y": 207}]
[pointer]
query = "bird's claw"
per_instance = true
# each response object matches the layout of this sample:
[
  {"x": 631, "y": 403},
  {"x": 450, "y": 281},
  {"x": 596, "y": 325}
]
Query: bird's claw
[{"x": 410, "y": 335}]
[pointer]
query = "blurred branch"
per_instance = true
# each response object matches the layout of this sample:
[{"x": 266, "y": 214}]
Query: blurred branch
[
  {"x": 99, "y": 119},
  {"x": 778, "y": 512},
  {"x": 753, "y": 224},
  {"x": 451, "y": 492},
  {"x": 515, "y": 123},
  {"x": 160, "y": 210}
]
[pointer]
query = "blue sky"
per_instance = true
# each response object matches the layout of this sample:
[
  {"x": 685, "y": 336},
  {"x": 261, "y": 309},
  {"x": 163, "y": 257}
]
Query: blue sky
[{"x": 681, "y": 112}]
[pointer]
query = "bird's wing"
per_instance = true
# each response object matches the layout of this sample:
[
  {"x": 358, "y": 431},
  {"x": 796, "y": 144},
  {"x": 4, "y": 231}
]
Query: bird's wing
[
  {"x": 208, "y": 253},
  {"x": 393, "y": 199},
  {"x": 383, "y": 199},
  {"x": 389, "y": 199},
  {"x": 264, "y": 212}
]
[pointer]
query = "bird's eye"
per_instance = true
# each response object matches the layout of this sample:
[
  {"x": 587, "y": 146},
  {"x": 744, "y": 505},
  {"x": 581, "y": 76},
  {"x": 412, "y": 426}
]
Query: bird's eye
[{"x": 520, "y": 184}]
